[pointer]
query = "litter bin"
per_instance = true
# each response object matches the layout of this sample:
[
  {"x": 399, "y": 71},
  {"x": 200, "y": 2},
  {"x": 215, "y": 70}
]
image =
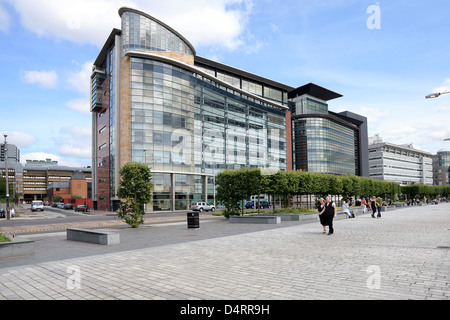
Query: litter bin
[{"x": 193, "y": 220}]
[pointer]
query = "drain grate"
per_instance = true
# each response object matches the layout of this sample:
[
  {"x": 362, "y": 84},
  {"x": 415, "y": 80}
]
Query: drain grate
[{"x": 443, "y": 247}]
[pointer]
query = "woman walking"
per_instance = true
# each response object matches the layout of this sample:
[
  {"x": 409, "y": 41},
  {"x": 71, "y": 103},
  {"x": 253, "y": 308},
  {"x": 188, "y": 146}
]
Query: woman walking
[
  {"x": 364, "y": 205},
  {"x": 373, "y": 204},
  {"x": 321, "y": 216}
]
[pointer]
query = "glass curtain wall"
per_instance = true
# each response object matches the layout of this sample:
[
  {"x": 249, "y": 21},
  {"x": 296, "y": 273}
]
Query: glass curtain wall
[
  {"x": 321, "y": 145},
  {"x": 185, "y": 123},
  {"x": 145, "y": 35}
]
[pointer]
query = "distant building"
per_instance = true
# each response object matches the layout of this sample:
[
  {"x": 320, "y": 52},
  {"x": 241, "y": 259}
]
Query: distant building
[
  {"x": 325, "y": 141},
  {"x": 31, "y": 181},
  {"x": 77, "y": 187},
  {"x": 399, "y": 163},
  {"x": 441, "y": 168},
  {"x": 13, "y": 153}
]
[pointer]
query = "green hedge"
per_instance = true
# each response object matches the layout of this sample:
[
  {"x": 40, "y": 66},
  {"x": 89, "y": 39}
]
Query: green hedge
[{"x": 233, "y": 187}]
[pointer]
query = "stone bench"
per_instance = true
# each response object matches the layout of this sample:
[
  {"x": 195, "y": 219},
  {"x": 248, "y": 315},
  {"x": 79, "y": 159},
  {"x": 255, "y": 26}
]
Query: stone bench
[
  {"x": 16, "y": 248},
  {"x": 285, "y": 217},
  {"x": 256, "y": 219},
  {"x": 387, "y": 208},
  {"x": 93, "y": 236}
]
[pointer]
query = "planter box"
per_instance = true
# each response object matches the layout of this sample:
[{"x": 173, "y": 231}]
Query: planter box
[
  {"x": 16, "y": 248},
  {"x": 256, "y": 219},
  {"x": 93, "y": 236},
  {"x": 285, "y": 217},
  {"x": 389, "y": 208}
]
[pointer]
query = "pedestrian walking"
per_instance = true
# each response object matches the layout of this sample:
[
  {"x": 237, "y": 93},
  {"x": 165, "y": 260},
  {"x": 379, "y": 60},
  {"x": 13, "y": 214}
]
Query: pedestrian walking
[
  {"x": 329, "y": 212},
  {"x": 373, "y": 204},
  {"x": 321, "y": 216},
  {"x": 364, "y": 205},
  {"x": 379, "y": 204}
]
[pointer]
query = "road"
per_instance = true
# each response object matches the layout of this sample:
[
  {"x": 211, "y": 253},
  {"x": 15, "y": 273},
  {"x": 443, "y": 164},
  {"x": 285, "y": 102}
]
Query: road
[{"x": 52, "y": 219}]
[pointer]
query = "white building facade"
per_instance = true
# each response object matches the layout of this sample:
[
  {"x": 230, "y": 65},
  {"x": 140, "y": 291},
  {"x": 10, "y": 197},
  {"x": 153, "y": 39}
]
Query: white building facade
[{"x": 399, "y": 163}]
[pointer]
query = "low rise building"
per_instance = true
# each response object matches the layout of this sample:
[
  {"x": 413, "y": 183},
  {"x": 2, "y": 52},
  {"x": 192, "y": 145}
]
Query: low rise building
[{"x": 399, "y": 163}]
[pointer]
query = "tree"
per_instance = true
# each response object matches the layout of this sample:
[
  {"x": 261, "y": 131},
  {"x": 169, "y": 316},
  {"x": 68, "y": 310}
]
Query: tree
[
  {"x": 233, "y": 187},
  {"x": 229, "y": 192},
  {"x": 135, "y": 189},
  {"x": 3, "y": 188}
]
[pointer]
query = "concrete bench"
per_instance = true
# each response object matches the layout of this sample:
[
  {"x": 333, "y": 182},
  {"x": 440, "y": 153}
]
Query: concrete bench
[
  {"x": 16, "y": 248},
  {"x": 255, "y": 219},
  {"x": 388, "y": 208},
  {"x": 284, "y": 217},
  {"x": 93, "y": 236}
]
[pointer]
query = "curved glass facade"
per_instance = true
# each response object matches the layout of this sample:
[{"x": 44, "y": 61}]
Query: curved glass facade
[
  {"x": 322, "y": 145},
  {"x": 140, "y": 33}
]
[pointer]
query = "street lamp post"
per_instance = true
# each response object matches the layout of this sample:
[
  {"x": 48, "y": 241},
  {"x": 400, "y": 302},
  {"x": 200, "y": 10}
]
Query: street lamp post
[
  {"x": 436, "y": 95},
  {"x": 8, "y": 215}
]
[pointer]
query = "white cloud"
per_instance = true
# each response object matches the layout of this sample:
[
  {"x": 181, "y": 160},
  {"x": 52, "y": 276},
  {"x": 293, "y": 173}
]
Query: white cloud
[
  {"x": 45, "y": 79},
  {"x": 203, "y": 22},
  {"x": 445, "y": 87},
  {"x": 75, "y": 142},
  {"x": 4, "y": 20},
  {"x": 81, "y": 21},
  {"x": 373, "y": 115},
  {"x": 79, "y": 79},
  {"x": 20, "y": 139},
  {"x": 81, "y": 105}
]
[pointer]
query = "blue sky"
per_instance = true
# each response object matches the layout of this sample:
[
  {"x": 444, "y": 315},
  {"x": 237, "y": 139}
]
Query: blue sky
[{"x": 48, "y": 46}]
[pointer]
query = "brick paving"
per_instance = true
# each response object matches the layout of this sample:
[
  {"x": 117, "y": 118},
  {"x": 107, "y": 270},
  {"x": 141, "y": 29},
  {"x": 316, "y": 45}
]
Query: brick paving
[{"x": 403, "y": 255}]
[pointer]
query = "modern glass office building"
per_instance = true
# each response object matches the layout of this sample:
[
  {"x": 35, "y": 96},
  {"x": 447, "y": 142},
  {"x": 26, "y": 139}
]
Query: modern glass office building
[
  {"x": 324, "y": 141},
  {"x": 156, "y": 102}
]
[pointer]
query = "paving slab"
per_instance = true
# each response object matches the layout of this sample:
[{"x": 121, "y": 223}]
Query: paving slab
[{"x": 403, "y": 255}]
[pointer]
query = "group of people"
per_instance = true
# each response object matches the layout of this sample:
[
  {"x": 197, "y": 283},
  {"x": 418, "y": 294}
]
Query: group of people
[
  {"x": 327, "y": 211},
  {"x": 376, "y": 207}
]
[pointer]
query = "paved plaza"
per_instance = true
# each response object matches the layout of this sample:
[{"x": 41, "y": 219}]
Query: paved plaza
[{"x": 403, "y": 255}]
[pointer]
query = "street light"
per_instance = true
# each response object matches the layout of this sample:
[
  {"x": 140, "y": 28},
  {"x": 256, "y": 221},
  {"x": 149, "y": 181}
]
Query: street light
[
  {"x": 8, "y": 215},
  {"x": 436, "y": 95}
]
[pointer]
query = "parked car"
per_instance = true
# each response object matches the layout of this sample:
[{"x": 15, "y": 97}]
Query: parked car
[
  {"x": 60, "y": 205},
  {"x": 200, "y": 206},
  {"x": 68, "y": 206},
  {"x": 262, "y": 204},
  {"x": 82, "y": 208},
  {"x": 249, "y": 205},
  {"x": 37, "y": 205}
]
